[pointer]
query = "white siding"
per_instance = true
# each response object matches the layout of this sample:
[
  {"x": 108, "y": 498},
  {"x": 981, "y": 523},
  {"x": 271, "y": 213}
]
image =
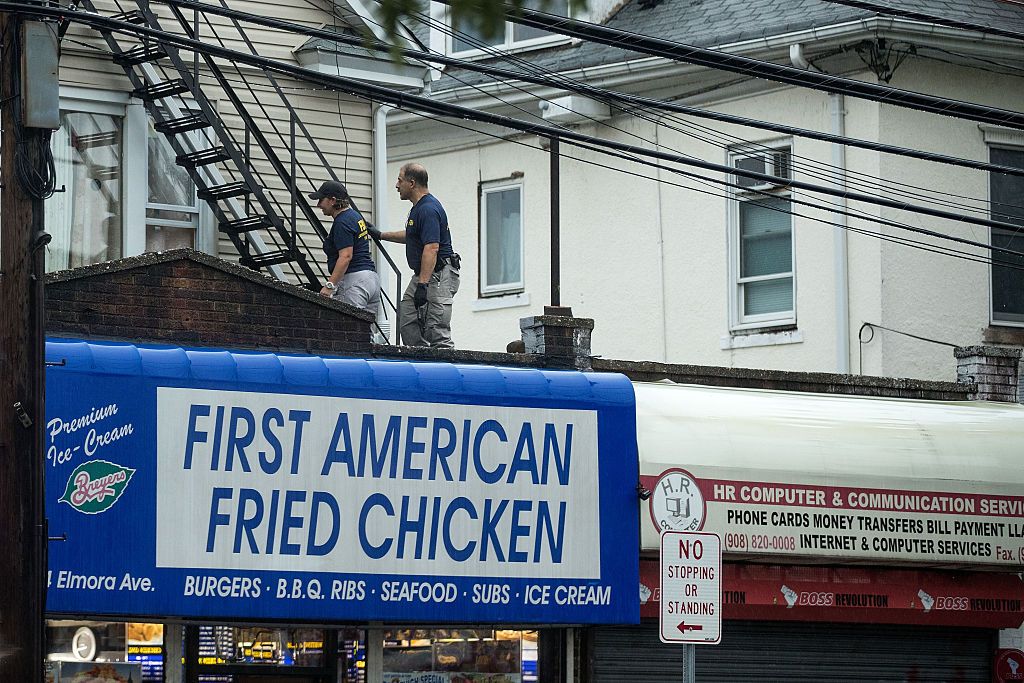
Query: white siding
[{"x": 340, "y": 124}]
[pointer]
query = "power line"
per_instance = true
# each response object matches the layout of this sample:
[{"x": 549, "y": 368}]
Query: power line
[
  {"x": 873, "y": 184},
  {"x": 896, "y": 239},
  {"x": 828, "y": 173},
  {"x": 850, "y": 212},
  {"x": 827, "y": 208},
  {"x": 407, "y": 101},
  {"x": 715, "y": 59},
  {"x": 711, "y": 181},
  {"x": 334, "y": 37},
  {"x": 944, "y": 250},
  {"x": 975, "y": 61},
  {"x": 564, "y": 83},
  {"x": 930, "y": 18}
]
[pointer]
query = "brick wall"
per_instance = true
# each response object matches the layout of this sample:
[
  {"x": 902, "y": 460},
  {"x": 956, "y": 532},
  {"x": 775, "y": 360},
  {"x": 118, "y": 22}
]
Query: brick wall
[
  {"x": 993, "y": 369},
  {"x": 191, "y": 299}
]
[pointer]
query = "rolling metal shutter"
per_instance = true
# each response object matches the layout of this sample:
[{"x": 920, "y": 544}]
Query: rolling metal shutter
[
  {"x": 808, "y": 651},
  {"x": 787, "y": 652},
  {"x": 633, "y": 654}
]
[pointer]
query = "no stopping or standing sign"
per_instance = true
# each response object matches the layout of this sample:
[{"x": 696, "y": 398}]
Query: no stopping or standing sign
[{"x": 691, "y": 588}]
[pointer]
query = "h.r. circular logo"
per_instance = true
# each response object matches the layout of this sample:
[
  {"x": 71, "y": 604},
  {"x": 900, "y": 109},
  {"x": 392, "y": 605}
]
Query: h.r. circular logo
[{"x": 677, "y": 503}]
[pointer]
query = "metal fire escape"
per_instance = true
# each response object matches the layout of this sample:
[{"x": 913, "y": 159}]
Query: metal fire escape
[{"x": 226, "y": 170}]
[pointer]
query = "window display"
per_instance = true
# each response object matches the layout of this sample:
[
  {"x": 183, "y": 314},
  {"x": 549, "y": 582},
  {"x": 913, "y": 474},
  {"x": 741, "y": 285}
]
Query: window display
[
  {"x": 146, "y": 647},
  {"x": 460, "y": 656},
  {"x": 85, "y": 641}
]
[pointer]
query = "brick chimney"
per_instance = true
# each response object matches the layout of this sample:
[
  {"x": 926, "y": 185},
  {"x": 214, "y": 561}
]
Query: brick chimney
[
  {"x": 563, "y": 340},
  {"x": 994, "y": 369}
]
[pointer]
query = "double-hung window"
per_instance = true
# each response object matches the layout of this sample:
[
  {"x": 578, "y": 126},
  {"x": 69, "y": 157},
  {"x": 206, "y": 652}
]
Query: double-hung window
[
  {"x": 761, "y": 241},
  {"x": 172, "y": 207},
  {"x": 501, "y": 239},
  {"x": 1007, "y": 197},
  {"x": 468, "y": 40}
]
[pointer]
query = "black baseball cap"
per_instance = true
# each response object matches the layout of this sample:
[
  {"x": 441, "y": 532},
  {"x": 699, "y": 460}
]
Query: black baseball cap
[{"x": 331, "y": 188}]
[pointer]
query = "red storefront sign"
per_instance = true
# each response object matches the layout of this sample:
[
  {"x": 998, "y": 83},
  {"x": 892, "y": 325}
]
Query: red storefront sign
[{"x": 857, "y": 594}]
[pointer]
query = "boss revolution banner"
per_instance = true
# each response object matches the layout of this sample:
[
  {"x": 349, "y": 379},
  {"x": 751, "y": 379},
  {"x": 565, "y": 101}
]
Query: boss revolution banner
[{"x": 206, "y": 484}]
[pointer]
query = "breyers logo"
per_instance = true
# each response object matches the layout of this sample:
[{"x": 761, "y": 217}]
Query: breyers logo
[{"x": 96, "y": 485}]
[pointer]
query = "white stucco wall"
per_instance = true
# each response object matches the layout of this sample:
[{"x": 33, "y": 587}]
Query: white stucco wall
[
  {"x": 649, "y": 261},
  {"x": 939, "y": 297}
]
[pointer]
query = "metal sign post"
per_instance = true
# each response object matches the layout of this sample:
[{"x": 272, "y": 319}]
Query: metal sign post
[{"x": 691, "y": 588}]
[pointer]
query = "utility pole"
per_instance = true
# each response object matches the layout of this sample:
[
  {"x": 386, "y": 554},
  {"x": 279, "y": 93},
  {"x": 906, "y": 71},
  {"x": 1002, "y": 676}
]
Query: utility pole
[
  {"x": 22, "y": 378},
  {"x": 556, "y": 236}
]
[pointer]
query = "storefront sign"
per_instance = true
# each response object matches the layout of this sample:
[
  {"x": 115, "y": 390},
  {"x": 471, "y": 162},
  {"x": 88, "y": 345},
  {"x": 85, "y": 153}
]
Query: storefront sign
[
  {"x": 857, "y": 594},
  {"x": 256, "y": 486},
  {"x": 920, "y": 521}
]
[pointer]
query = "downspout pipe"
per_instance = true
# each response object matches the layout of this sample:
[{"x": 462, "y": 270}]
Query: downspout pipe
[
  {"x": 380, "y": 207},
  {"x": 840, "y": 236},
  {"x": 840, "y": 250}
]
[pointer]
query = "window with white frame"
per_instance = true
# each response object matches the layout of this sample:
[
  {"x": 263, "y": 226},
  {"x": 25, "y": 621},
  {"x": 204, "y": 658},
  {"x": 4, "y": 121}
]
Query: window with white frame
[
  {"x": 172, "y": 207},
  {"x": 85, "y": 217},
  {"x": 123, "y": 194},
  {"x": 467, "y": 39},
  {"x": 1007, "y": 196},
  {"x": 761, "y": 241},
  {"x": 501, "y": 239}
]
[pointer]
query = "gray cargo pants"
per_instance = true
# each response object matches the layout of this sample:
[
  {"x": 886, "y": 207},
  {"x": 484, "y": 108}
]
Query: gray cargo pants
[
  {"x": 431, "y": 325},
  {"x": 360, "y": 289}
]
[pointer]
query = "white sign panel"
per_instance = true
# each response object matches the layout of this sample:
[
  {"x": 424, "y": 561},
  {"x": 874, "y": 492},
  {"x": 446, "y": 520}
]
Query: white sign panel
[
  {"x": 691, "y": 588},
  {"x": 925, "y": 521},
  {"x": 374, "y": 487}
]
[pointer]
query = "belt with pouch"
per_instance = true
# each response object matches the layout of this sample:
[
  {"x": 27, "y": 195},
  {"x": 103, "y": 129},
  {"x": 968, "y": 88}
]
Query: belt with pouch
[{"x": 455, "y": 261}]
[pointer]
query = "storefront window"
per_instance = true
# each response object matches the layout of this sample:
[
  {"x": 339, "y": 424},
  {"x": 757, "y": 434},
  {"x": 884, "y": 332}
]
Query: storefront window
[
  {"x": 91, "y": 651},
  {"x": 70, "y": 641},
  {"x": 145, "y": 646},
  {"x": 118, "y": 652},
  {"x": 460, "y": 656},
  {"x": 226, "y": 651}
]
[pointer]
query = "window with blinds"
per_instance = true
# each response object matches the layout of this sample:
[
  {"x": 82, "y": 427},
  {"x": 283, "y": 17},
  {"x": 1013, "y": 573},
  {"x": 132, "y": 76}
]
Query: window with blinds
[{"x": 761, "y": 244}]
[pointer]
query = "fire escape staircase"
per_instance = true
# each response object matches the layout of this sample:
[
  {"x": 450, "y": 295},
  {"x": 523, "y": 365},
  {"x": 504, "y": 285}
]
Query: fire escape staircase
[{"x": 262, "y": 229}]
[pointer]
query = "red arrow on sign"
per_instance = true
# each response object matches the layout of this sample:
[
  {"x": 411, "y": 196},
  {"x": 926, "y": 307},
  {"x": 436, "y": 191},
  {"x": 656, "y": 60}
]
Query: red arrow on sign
[{"x": 684, "y": 627}]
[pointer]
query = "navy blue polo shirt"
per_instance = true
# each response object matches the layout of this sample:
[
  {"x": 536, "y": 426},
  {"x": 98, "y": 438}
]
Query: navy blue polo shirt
[
  {"x": 427, "y": 224},
  {"x": 349, "y": 230}
]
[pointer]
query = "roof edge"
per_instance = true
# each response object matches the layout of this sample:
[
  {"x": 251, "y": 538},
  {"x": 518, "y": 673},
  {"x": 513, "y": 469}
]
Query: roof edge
[{"x": 229, "y": 267}]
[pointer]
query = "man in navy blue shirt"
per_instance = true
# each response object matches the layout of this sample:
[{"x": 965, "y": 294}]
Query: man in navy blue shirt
[
  {"x": 352, "y": 273},
  {"x": 425, "y": 313}
]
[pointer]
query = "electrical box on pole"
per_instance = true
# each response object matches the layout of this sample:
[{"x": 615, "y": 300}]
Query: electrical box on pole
[{"x": 40, "y": 90}]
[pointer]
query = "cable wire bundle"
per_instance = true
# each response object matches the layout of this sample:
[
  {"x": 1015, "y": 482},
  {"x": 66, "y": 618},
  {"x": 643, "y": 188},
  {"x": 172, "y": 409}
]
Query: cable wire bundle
[{"x": 33, "y": 159}]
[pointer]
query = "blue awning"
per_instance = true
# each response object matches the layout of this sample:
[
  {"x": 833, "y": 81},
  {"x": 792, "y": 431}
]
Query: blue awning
[
  {"x": 252, "y": 486},
  {"x": 339, "y": 373}
]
